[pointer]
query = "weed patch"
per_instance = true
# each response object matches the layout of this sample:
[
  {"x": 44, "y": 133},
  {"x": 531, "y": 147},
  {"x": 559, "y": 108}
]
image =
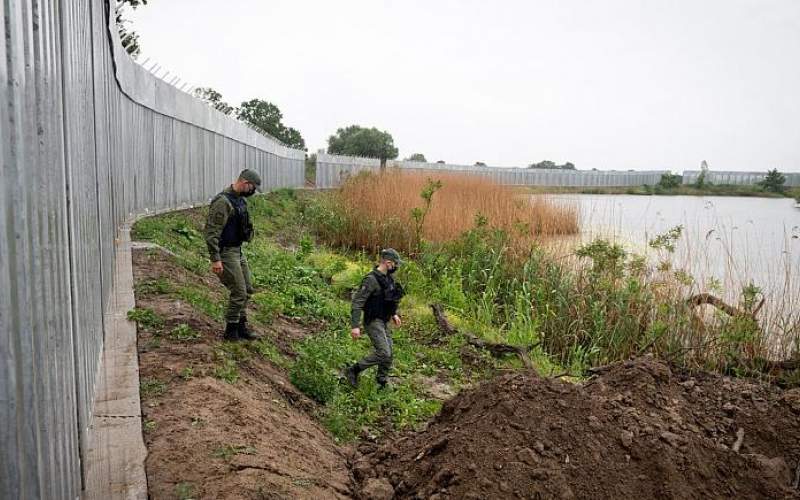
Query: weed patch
[
  {"x": 146, "y": 319},
  {"x": 151, "y": 387}
]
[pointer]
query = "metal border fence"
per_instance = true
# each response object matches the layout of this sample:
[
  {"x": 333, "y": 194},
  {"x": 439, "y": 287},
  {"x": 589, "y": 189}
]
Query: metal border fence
[
  {"x": 89, "y": 139},
  {"x": 737, "y": 178},
  {"x": 332, "y": 170}
]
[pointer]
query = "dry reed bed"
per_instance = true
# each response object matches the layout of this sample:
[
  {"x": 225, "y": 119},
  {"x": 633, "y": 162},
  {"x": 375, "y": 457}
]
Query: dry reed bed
[{"x": 377, "y": 209}]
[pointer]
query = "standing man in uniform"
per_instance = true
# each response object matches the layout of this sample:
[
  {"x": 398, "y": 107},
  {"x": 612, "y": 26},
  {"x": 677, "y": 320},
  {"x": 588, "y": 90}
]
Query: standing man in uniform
[
  {"x": 227, "y": 227},
  {"x": 378, "y": 298}
]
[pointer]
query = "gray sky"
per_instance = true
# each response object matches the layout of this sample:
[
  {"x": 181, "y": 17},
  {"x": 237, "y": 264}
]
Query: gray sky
[{"x": 641, "y": 84}]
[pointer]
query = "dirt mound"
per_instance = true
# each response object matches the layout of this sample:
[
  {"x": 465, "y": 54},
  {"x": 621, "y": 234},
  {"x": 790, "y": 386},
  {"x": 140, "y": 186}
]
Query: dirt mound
[
  {"x": 207, "y": 438},
  {"x": 637, "y": 430}
]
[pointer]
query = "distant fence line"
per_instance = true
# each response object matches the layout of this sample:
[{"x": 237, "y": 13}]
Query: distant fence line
[
  {"x": 89, "y": 139},
  {"x": 333, "y": 169},
  {"x": 737, "y": 178}
]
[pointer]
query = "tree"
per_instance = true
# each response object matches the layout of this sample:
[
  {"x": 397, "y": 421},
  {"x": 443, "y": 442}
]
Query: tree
[
  {"x": 361, "y": 141},
  {"x": 266, "y": 117},
  {"x": 441, "y": 161},
  {"x": 551, "y": 165},
  {"x": 129, "y": 38},
  {"x": 774, "y": 181},
  {"x": 670, "y": 181},
  {"x": 480, "y": 164},
  {"x": 701, "y": 179},
  {"x": 213, "y": 99},
  {"x": 417, "y": 157}
]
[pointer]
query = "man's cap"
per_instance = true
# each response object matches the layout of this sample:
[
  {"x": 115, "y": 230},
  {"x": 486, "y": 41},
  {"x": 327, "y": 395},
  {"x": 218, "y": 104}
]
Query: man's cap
[
  {"x": 391, "y": 254},
  {"x": 252, "y": 177}
]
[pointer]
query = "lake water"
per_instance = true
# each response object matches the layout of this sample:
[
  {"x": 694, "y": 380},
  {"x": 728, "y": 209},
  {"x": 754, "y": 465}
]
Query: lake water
[{"x": 727, "y": 242}]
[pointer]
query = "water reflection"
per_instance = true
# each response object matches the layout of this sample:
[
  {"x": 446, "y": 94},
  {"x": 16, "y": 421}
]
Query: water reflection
[{"x": 727, "y": 242}]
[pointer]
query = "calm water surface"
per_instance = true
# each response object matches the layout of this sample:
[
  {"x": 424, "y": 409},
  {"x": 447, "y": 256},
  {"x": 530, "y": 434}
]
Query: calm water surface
[{"x": 727, "y": 242}]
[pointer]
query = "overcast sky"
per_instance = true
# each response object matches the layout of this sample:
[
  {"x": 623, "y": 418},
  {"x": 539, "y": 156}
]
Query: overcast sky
[{"x": 624, "y": 84}]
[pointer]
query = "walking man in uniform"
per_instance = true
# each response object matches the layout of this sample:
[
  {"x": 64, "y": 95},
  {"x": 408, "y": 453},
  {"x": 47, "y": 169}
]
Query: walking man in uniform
[
  {"x": 378, "y": 298},
  {"x": 227, "y": 227}
]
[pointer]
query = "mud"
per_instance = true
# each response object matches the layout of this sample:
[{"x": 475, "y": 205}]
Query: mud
[
  {"x": 206, "y": 438},
  {"x": 638, "y": 430}
]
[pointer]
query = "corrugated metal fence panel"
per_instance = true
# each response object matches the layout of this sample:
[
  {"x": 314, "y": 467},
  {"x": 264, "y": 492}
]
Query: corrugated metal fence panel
[
  {"x": 87, "y": 141},
  {"x": 38, "y": 421},
  {"x": 333, "y": 169},
  {"x": 737, "y": 178}
]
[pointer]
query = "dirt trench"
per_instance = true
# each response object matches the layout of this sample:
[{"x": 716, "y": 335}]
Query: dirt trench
[{"x": 207, "y": 438}]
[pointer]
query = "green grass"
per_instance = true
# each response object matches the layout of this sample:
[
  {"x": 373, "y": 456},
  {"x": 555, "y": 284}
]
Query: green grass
[
  {"x": 299, "y": 278},
  {"x": 146, "y": 319},
  {"x": 267, "y": 350},
  {"x": 185, "y": 491},
  {"x": 201, "y": 299},
  {"x": 151, "y": 387},
  {"x": 184, "y": 332}
]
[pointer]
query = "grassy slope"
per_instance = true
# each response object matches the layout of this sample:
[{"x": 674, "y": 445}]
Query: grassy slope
[{"x": 297, "y": 278}]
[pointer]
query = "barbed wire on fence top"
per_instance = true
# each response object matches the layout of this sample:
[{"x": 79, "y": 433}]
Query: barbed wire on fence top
[{"x": 173, "y": 80}]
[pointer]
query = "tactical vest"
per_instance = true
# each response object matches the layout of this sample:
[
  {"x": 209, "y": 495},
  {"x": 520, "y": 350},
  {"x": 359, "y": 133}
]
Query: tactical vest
[
  {"x": 238, "y": 229},
  {"x": 383, "y": 303}
]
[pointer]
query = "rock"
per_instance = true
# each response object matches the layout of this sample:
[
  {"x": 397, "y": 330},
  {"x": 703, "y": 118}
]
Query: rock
[
  {"x": 539, "y": 474},
  {"x": 594, "y": 423},
  {"x": 671, "y": 438},
  {"x": 363, "y": 469},
  {"x": 539, "y": 447},
  {"x": 528, "y": 456},
  {"x": 626, "y": 437},
  {"x": 730, "y": 408},
  {"x": 688, "y": 384},
  {"x": 774, "y": 468},
  {"x": 791, "y": 398},
  {"x": 377, "y": 489}
]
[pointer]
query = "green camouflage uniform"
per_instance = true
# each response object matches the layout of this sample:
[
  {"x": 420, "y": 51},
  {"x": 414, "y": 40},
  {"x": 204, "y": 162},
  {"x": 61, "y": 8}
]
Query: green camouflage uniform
[
  {"x": 236, "y": 273},
  {"x": 377, "y": 329}
]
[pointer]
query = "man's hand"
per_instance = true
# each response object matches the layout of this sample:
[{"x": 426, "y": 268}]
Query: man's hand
[
  {"x": 216, "y": 267},
  {"x": 355, "y": 332},
  {"x": 396, "y": 320}
]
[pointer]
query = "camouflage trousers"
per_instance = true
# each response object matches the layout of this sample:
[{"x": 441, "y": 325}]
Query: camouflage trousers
[
  {"x": 236, "y": 278},
  {"x": 382, "y": 350}
]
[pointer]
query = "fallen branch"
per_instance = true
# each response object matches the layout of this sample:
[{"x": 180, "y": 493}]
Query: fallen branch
[
  {"x": 707, "y": 298},
  {"x": 496, "y": 349}
]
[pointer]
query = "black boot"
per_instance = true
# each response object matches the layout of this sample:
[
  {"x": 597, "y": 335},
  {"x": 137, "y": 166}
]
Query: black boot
[
  {"x": 231, "y": 332},
  {"x": 244, "y": 333},
  {"x": 351, "y": 374}
]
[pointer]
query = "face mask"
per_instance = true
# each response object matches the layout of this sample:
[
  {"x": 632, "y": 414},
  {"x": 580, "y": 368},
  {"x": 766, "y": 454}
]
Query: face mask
[
  {"x": 250, "y": 193},
  {"x": 392, "y": 270}
]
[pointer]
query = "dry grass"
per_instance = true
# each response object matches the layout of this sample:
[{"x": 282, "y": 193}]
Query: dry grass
[{"x": 376, "y": 210}]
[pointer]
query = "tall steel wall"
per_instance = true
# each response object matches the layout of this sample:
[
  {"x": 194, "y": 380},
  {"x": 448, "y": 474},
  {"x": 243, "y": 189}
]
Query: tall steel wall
[
  {"x": 736, "y": 178},
  {"x": 88, "y": 139},
  {"x": 333, "y": 169}
]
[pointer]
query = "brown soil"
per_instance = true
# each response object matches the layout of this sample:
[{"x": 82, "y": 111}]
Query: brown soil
[
  {"x": 638, "y": 430},
  {"x": 207, "y": 438}
]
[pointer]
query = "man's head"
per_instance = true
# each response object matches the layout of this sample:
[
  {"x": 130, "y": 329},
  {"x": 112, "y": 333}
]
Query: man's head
[
  {"x": 390, "y": 259},
  {"x": 247, "y": 183}
]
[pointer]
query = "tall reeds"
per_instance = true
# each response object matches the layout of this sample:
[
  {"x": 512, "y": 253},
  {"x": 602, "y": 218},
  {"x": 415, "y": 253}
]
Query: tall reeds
[{"x": 376, "y": 210}]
